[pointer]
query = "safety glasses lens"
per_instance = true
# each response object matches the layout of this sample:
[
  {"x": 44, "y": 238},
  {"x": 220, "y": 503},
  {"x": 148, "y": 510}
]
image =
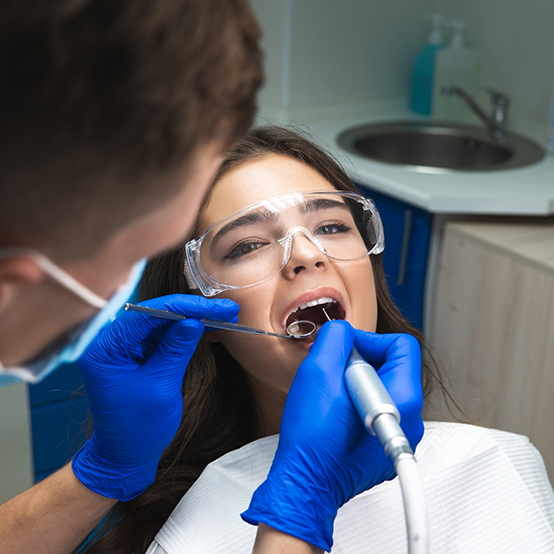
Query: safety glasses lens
[{"x": 251, "y": 245}]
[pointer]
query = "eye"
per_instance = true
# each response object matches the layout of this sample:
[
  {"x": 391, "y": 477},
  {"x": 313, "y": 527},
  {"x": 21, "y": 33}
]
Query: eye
[
  {"x": 243, "y": 249},
  {"x": 333, "y": 228}
]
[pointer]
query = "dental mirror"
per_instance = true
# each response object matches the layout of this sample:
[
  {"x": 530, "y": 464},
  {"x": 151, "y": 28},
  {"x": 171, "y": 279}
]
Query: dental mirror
[
  {"x": 301, "y": 329},
  {"x": 296, "y": 330}
]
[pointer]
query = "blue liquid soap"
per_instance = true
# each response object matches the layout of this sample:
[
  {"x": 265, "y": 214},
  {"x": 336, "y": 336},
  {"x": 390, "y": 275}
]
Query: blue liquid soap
[
  {"x": 423, "y": 71},
  {"x": 422, "y": 80}
]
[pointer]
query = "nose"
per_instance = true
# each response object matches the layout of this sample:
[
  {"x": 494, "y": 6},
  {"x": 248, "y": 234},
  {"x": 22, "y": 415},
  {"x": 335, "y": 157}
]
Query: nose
[{"x": 304, "y": 255}]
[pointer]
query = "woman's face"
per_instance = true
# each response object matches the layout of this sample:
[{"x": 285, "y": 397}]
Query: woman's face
[{"x": 271, "y": 363}]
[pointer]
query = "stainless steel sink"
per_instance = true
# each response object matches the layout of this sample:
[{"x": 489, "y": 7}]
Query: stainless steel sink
[{"x": 425, "y": 146}]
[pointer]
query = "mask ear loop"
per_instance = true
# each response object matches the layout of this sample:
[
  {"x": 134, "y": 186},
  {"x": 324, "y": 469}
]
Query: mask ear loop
[
  {"x": 59, "y": 275},
  {"x": 293, "y": 329}
]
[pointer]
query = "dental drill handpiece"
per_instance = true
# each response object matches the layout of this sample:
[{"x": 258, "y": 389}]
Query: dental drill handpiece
[
  {"x": 382, "y": 418},
  {"x": 374, "y": 404}
]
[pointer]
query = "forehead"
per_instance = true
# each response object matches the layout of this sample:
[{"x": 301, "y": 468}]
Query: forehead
[{"x": 257, "y": 180}]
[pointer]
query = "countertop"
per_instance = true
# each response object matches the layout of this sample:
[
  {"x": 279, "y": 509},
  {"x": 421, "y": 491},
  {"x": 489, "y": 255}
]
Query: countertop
[{"x": 524, "y": 191}]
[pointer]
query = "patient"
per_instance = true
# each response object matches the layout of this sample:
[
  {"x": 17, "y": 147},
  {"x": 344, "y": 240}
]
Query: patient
[{"x": 286, "y": 235}]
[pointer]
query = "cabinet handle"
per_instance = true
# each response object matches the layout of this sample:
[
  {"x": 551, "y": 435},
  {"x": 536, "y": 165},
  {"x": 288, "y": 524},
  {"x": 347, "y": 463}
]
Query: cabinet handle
[{"x": 405, "y": 246}]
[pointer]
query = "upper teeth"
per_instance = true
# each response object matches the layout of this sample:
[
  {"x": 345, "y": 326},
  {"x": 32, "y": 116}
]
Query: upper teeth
[{"x": 309, "y": 304}]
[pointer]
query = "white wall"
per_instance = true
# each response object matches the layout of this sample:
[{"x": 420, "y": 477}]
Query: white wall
[
  {"x": 16, "y": 469},
  {"x": 353, "y": 49},
  {"x": 322, "y": 52},
  {"x": 328, "y": 51},
  {"x": 276, "y": 23}
]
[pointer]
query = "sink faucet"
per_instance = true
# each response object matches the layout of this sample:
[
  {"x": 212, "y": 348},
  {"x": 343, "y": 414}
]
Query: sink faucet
[{"x": 496, "y": 121}]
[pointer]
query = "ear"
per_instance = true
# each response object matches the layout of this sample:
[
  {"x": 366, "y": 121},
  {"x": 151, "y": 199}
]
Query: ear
[{"x": 18, "y": 270}]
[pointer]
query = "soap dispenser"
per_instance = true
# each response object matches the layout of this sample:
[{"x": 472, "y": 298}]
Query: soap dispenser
[
  {"x": 455, "y": 66},
  {"x": 423, "y": 68}
]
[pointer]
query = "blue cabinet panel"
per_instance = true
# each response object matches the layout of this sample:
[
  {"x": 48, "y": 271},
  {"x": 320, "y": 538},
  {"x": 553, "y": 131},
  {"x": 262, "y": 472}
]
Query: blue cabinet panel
[
  {"x": 59, "y": 430},
  {"x": 407, "y": 239},
  {"x": 59, "y": 385},
  {"x": 44, "y": 474},
  {"x": 59, "y": 410}
]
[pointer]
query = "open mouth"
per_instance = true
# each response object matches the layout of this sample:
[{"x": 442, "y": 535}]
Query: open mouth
[{"x": 313, "y": 311}]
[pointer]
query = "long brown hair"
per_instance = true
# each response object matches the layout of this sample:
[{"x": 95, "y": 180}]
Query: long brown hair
[{"x": 220, "y": 408}]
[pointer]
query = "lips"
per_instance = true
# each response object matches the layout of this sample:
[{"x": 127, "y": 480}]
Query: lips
[{"x": 311, "y": 307}]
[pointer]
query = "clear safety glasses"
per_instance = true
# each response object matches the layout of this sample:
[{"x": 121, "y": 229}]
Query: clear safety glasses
[{"x": 255, "y": 243}]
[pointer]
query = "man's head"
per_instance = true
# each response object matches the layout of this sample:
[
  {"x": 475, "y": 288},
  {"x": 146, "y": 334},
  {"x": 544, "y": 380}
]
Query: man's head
[
  {"x": 103, "y": 104},
  {"x": 114, "y": 116}
]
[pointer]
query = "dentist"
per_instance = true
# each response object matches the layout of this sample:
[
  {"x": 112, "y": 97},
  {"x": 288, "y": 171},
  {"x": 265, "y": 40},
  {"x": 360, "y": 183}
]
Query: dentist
[{"x": 114, "y": 118}]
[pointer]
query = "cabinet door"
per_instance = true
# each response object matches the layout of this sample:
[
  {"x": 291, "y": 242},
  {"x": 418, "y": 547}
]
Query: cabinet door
[
  {"x": 59, "y": 410},
  {"x": 407, "y": 238},
  {"x": 494, "y": 322}
]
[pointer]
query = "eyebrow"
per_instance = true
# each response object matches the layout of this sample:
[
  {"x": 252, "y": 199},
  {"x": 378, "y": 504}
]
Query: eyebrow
[
  {"x": 318, "y": 204},
  {"x": 265, "y": 216},
  {"x": 262, "y": 216}
]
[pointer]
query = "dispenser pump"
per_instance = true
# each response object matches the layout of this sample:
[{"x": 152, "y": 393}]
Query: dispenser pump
[
  {"x": 435, "y": 36},
  {"x": 458, "y": 36},
  {"x": 456, "y": 66}
]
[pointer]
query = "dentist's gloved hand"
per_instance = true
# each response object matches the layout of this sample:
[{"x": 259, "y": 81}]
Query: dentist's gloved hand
[
  {"x": 133, "y": 373},
  {"x": 325, "y": 456}
]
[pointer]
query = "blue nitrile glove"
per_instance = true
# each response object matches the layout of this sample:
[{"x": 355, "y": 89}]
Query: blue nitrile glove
[
  {"x": 325, "y": 455},
  {"x": 133, "y": 373}
]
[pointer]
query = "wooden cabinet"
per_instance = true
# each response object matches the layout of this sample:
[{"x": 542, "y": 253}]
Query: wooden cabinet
[{"x": 493, "y": 318}]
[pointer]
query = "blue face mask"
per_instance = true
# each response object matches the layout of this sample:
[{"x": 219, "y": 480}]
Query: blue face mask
[{"x": 80, "y": 338}]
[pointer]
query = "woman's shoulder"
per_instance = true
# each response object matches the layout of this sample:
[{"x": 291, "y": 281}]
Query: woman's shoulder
[
  {"x": 454, "y": 432},
  {"x": 486, "y": 491},
  {"x": 460, "y": 440},
  {"x": 455, "y": 447},
  {"x": 447, "y": 443}
]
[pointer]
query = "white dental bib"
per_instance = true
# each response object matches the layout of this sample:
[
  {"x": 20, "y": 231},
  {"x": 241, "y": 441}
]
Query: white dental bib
[{"x": 487, "y": 492}]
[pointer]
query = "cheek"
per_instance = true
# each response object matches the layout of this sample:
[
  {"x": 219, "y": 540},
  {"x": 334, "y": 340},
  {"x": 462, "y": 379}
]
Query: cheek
[
  {"x": 263, "y": 360},
  {"x": 255, "y": 305},
  {"x": 270, "y": 361},
  {"x": 372, "y": 311},
  {"x": 361, "y": 288},
  {"x": 254, "y": 311}
]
